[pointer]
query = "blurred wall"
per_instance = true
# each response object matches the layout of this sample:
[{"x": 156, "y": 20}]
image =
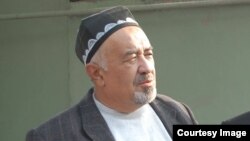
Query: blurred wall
[
  {"x": 34, "y": 66},
  {"x": 201, "y": 53}
]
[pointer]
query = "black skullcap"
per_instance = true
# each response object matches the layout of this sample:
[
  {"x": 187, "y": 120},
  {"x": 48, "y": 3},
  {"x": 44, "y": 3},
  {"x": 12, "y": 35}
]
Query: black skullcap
[{"x": 96, "y": 28}]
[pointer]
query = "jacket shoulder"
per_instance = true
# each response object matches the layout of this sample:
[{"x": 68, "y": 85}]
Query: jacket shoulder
[
  {"x": 177, "y": 106},
  {"x": 64, "y": 126}
]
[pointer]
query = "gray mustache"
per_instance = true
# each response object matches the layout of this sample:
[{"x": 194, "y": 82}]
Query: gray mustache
[{"x": 143, "y": 77}]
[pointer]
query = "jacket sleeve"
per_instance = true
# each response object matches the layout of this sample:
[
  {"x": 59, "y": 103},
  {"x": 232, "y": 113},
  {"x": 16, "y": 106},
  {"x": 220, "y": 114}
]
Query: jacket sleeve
[{"x": 32, "y": 135}]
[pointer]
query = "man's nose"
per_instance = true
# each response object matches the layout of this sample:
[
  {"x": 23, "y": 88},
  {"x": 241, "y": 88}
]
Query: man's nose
[{"x": 145, "y": 65}]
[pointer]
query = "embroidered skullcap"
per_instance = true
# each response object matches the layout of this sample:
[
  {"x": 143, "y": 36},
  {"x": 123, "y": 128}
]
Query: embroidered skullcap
[{"x": 96, "y": 28}]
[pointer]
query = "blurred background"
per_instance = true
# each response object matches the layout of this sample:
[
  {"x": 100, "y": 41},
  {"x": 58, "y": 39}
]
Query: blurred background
[{"x": 201, "y": 50}]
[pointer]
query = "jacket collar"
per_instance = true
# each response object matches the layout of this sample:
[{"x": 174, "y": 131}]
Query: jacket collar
[
  {"x": 171, "y": 113},
  {"x": 97, "y": 129},
  {"x": 92, "y": 121},
  {"x": 166, "y": 115}
]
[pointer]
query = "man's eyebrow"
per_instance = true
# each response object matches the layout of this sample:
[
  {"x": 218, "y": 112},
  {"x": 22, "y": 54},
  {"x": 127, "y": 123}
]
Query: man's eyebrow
[
  {"x": 129, "y": 52},
  {"x": 149, "y": 48},
  {"x": 134, "y": 51}
]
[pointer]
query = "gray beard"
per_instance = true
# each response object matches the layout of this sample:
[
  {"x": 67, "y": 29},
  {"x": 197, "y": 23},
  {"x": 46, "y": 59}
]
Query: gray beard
[{"x": 147, "y": 96}]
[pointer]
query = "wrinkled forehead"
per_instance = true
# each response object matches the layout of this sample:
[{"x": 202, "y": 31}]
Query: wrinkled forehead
[
  {"x": 141, "y": 39},
  {"x": 129, "y": 37}
]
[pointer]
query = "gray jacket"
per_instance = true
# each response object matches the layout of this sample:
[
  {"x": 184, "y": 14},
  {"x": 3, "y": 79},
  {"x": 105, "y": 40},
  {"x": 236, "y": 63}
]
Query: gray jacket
[{"x": 84, "y": 122}]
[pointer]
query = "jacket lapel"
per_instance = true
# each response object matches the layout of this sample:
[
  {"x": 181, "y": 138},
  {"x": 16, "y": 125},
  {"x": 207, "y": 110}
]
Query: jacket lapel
[
  {"x": 97, "y": 129},
  {"x": 170, "y": 112},
  {"x": 166, "y": 115},
  {"x": 92, "y": 121}
]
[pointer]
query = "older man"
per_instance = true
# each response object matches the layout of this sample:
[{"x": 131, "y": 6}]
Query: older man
[{"x": 123, "y": 104}]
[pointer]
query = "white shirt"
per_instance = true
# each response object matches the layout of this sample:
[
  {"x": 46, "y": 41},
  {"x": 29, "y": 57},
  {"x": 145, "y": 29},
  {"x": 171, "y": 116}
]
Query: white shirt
[{"x": 141, "y": 125}]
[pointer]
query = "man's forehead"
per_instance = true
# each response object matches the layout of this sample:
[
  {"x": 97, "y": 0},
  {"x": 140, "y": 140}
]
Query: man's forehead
[
  {"x": 140, "y": 48},
  {"x": 131, "y": 36},
  {"x": 126, "y": 40}
]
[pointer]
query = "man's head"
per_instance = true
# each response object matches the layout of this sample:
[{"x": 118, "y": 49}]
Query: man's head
[{"x": 122, "y": 68}]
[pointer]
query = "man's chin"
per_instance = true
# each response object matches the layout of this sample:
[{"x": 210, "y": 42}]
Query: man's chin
[{"x": 144, "y": 97}]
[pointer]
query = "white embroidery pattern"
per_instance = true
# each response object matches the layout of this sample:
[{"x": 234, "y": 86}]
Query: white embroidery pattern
[{"x": 91, "y": 42}]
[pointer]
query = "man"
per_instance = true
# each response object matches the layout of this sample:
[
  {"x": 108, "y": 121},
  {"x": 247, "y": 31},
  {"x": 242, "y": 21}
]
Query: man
[{"x": 123, "y": 105}]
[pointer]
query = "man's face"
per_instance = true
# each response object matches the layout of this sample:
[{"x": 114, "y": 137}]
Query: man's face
[{"x": 130, "y": 75}]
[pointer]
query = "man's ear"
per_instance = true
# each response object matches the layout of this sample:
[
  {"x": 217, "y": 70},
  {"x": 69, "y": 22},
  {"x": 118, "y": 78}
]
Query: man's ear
[{"x": 94, "y": 72}]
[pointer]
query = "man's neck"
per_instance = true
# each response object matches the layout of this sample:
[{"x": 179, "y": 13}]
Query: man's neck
[{"x": 117, "y": 106}]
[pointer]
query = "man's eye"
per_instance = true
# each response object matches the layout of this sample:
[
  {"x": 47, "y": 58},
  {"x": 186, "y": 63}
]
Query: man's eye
[
  {"x": 149, "y": 54},
  {"x": 132, "y": 59}
]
